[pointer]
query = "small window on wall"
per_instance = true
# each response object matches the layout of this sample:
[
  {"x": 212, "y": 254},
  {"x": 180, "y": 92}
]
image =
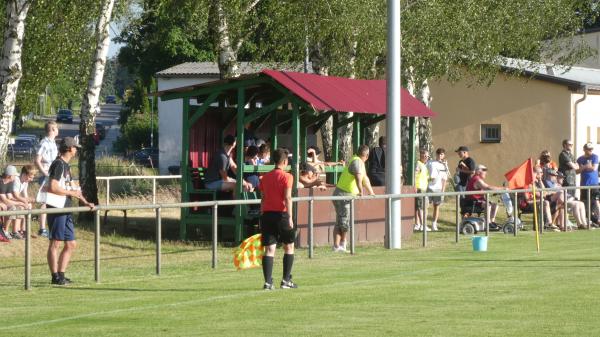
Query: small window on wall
[{"x": 491, "y": 133}]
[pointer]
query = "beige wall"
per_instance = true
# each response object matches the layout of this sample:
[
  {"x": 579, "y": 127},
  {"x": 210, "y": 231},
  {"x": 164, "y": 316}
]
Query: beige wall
[{"x": 534, "y": 115}]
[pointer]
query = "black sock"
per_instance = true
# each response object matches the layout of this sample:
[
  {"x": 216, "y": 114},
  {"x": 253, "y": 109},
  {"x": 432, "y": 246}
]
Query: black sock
[
  {"x": 267, "y": 265},
  {"x": 61, "y": 275},
  {"x": 288, "y": 262},
  {"x": 55, "y": 276}
]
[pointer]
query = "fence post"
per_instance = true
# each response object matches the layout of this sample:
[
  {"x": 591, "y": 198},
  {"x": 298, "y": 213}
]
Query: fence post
[
  {"x": 153, "y": 191},
  {"x": 158, "y": 239},
  {"x": 97, "y": 247},
  {"x": 28, "y": 252},
  {"x": 352, "y": 226},
  {"x": 589, "y": 207},
  {"x": 566, "y": 212},
  {"x": 424, "y": 220},
  {"x": 516, "y": 213},
  {"x": 107, "y": 192},
  {"x": 310, "y": 229},
  {"x": 541, "y": 213},
  {"x": 487, "y": 214},
  {"x": 457, "y": 204},
  {"x": 388, "y": 224},
  {"x": 214, "y": 235}
]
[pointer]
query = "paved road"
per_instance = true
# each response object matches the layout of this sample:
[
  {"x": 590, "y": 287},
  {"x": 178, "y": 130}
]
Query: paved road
[{"x": 108, "y": 116}]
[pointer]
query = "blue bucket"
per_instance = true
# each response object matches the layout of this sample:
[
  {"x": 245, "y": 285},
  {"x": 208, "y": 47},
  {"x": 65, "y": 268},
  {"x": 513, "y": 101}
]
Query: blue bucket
[{"x": 480, "y": 243}]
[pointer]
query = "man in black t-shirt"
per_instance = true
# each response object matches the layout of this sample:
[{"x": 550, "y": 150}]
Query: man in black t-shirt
[
  {"x": 61, "y": 225},
  {"x": 216, "y": 175},
  {"x": 465, "y": 169},
  {"x": 376, "y": 164},
  {"x": 567, "y": 165}
]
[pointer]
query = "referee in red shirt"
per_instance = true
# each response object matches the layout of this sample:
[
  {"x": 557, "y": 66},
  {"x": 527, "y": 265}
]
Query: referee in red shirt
[{"x": 276, "y": 223}]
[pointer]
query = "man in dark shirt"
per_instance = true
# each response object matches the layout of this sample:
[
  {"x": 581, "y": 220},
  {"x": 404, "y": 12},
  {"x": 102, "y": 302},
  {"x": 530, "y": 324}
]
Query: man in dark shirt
[
  {"x": 276, "y": 223},
  {"x": 465, "y": 169},
  {"x": 216, "y": 177},
  {"x": 567, "y": 165},
  {"x": 376, "y": 164},
  {"x": 61, "y": 225}
]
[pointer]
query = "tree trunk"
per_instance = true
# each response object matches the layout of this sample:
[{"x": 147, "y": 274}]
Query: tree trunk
[
  {"x": 424, "y": 124},
  {"x": 320, "y": 67},
  {"x": 346, "y": 131},
  {"x": 227, "y": 55},
  {"x": 10, "y": 66},
  {"x": 90, "y": 106}
]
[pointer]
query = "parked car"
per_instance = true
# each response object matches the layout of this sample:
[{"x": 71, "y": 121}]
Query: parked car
[
  {"x": 111, "y": 99},
  {"x": 22, "y": 148},
  {"x": 64, "y": 115},
  {"x": 147, "y": 156},
  {"x": 101, "y": 130}
]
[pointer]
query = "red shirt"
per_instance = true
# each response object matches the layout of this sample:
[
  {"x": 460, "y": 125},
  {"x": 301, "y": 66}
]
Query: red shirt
[
  {"x": 273, "y": 186},
  {"x": 471, "y": 187}
]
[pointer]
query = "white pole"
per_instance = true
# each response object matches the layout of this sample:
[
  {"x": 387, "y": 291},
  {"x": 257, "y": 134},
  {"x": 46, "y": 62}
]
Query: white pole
[{"x": 394, "y": 162}]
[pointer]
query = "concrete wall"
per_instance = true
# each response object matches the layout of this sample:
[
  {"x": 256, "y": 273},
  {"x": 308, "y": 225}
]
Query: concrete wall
[
  {"x": 169, "y": 122},
  {"x": 534, "y": 116}
]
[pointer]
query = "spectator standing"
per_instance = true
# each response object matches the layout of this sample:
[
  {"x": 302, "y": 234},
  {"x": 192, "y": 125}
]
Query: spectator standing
[
  {"x": 588, "y": 170},
  {"x": 46, "y": 154},
  {"x": 421, "y": 183},
  {"x": 216, "y": 177},
  {"x": 62, "y": 227},
  {"x": 567, "y": 165},
  {"x": 352, "y": 182},
  {"x": 438, "y": 176},
  {"x": 465, "y": 169},
  {"x": 276, "y": 224},
  {"x": 376, "y": 164}
]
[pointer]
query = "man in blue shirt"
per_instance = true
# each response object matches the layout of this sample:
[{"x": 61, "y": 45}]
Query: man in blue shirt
[{"x": 588, "y": 169}]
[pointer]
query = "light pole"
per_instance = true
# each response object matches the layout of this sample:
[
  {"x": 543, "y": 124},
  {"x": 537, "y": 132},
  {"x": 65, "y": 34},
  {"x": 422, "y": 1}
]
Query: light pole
[{"x": 151, "y": 121}]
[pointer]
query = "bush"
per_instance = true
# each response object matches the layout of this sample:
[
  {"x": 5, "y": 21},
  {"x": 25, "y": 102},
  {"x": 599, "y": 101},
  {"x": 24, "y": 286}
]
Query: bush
[{"x": 135, "y": 134}]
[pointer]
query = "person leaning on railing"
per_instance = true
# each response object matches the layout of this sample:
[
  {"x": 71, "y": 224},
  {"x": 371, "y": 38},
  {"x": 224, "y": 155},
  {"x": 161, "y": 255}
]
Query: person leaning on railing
[{"x": 352, "y": 182}]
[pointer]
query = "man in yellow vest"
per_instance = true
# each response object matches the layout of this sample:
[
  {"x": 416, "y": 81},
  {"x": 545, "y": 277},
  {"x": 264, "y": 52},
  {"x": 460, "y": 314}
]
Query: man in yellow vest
[
  {"x": 352, "y": 182},
  {"x": 421, "y": 182}
]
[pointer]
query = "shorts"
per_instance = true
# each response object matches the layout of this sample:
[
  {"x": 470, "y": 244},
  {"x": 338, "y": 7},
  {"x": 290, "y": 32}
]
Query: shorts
[
  {"x": 16, "y": 208},
  {"x": 419, "y": 200},
  {"x": 62, "y": 227},
  {"x": 435, "y": 200},
  {"x": 214, "y": 185},
  {"x": 274, "y": 228},
  {"x": 342, "y": 211}
]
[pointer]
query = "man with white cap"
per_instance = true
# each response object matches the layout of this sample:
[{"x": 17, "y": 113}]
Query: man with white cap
[
  {"x": 6, "y": 187},
  {"x": 588, "y": 171},
  {"x": 477, "y": 183}
]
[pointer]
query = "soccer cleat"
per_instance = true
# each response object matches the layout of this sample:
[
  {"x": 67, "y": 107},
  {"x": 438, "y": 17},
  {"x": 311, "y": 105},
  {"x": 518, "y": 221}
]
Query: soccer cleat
[
  {"x": 288, "y": 284},
  {"x": 268, "y": 286}
]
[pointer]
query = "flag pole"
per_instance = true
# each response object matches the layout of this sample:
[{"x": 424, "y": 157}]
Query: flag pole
[{"x": 535, "y": 219}]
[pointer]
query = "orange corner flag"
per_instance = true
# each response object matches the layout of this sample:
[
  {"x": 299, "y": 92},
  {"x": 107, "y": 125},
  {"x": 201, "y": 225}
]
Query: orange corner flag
[{"x": 521, "y": 176}]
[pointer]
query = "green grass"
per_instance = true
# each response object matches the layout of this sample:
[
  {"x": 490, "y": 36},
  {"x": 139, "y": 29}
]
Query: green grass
[{"x": 444, "y": 291}]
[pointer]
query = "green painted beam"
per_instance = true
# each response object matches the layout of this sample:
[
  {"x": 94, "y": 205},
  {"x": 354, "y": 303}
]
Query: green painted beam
[
  {"x": 184, "y": 167},
  {"x": 356, "y": 135},
  {"x": 372, "y": 120},
  {"x": 295, "y": 155},
  {"x": 412, "y": 158},
  {"x": 266, "y": 109},
  {"x": 203, "y": 108},
  {"x": 241, "y": 110},
  {"x": 274, "y": 127},
  {"x": 229, "y": 85}
]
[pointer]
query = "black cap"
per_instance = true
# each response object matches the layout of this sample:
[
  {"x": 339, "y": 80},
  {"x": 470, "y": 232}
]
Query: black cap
[{"x": 462, "y": 148}]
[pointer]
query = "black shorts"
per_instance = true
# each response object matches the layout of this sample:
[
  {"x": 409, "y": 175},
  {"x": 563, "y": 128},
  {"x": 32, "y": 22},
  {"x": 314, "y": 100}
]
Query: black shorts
[{"x": 274, "y": 227}]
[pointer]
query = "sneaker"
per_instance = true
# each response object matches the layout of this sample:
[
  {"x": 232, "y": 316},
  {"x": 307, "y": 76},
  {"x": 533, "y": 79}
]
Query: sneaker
[
  {"x": 434, "y": 227},
  {"x": 268, "y": 286},
  {"x": 341, "y": 249},
  {"x": 427, "y": 228},
  {"x": 5, "y": 234},
  {"x": 16, "y": 236},
  {"x": 43, "y": 233},
  {"x": 417, "y": 227},
  {"x": 288, "y": 284},
  {"x": 59, "y": 281}
]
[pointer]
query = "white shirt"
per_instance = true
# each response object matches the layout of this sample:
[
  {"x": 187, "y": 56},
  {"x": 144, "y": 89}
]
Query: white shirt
[
  {"x": 438, "y": 174},
  {"x": 19, "y": 188},
  {"x": 48, "y": 151}
]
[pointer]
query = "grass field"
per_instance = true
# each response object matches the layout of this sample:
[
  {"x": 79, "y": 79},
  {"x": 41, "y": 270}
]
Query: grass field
[{"x": 447, "y": 290}]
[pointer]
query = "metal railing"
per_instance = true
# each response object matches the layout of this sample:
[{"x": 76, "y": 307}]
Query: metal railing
[
  {"x": 153, "y": 178},
  {"x": 216, "y": 203}
]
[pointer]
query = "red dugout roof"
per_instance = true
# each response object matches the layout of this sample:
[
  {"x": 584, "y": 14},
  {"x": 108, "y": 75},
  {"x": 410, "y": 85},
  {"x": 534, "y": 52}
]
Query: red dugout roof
[{"x": 331, "y": 93}]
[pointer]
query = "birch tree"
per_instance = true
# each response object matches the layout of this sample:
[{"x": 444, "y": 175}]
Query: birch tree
[
  {"x": 90, "y": 105},
  {"x": 10, "y": 65}
]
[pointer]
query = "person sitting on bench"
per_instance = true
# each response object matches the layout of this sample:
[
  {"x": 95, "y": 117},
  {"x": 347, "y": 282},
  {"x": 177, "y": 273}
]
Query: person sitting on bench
[{"x": 216, "y": 177}]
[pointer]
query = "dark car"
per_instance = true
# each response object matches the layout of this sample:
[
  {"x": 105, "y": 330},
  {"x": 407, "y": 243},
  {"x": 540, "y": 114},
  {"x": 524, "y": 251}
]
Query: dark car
[
  {"x": 147, "y": 156},
  {"x": 64, "y": 115},
  {"x": 111, "y": 99},
  {"x": 101, "y": 130},
  {"x": 22, "y": 148}
]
